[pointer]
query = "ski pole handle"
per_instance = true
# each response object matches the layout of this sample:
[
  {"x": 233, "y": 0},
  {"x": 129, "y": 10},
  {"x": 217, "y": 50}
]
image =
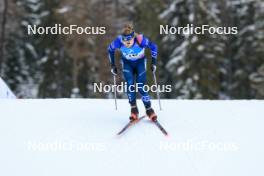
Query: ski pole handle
[
  {"x": 115, "y": 91},
  {"x": 158, "y": 93}
]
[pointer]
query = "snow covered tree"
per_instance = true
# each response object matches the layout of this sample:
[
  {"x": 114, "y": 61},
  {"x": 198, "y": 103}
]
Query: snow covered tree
[
  {"x": 17, "y": 68},
  {"x": 214, "y": 66},
  {"x": 248, "y": 55},
  {"x": 194, "y": 59}
]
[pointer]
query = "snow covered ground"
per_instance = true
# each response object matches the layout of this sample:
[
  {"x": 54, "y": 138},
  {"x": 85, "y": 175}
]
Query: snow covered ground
[
  {"x": 66, "y": 137},
  {"x": 5, "y": 92}
]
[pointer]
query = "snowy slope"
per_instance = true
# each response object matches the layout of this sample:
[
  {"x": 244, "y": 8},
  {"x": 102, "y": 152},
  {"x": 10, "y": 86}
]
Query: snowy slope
[
  {"x": 77, "y": 138},
  {"x": 5, "y": 92}
]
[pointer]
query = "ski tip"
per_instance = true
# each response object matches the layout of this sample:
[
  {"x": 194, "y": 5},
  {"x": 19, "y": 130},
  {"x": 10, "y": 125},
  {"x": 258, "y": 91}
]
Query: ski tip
[{"x": 118, "y": 136}]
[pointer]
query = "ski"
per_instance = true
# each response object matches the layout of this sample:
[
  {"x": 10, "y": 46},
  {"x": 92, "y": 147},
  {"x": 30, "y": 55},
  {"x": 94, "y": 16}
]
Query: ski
[
  {"x": 156, "y": 122},
  {"x": 131, "y": 123}
]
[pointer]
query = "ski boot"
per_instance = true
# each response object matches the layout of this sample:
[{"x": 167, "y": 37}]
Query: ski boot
[
  {"x": 134, "y": 113},
  {"x": 151, "y": 114}
]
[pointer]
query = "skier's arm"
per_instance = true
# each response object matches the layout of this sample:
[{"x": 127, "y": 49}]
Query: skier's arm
[
  {"x": 111, "y": 50},
  {"x": 146, "y": 43}
]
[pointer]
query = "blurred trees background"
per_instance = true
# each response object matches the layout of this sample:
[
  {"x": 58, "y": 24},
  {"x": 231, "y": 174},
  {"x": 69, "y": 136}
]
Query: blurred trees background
[{"x": 197, "y": 66}]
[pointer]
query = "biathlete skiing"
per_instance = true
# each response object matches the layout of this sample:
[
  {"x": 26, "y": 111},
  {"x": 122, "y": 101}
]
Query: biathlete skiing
[{"x": 132, "y": 48}]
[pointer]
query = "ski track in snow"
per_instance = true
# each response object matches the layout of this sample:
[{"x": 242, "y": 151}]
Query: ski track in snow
[{"x": 139, "y": 150}]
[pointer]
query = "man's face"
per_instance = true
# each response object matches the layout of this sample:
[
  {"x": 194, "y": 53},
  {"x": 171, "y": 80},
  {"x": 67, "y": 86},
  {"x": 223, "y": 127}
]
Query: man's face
[{"x": 128, "y": 43}]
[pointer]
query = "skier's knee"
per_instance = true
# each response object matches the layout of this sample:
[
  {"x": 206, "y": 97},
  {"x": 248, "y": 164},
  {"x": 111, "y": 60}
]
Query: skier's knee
[{"x": 141, "y": 78}]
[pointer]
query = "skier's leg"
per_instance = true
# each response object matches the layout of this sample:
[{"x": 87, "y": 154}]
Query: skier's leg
[
  {"x": 141, "y": 80},
  {"x": 128, "y": 72}
]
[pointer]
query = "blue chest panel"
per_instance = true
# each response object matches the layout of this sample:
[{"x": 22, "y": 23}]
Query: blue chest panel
[{"x": 133, "y": 53}]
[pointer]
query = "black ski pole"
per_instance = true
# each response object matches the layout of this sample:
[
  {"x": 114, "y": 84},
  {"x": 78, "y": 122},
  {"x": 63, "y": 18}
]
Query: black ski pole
[
  {"x": 115, "y": 91},
  {"x": 158, "y": 93}
]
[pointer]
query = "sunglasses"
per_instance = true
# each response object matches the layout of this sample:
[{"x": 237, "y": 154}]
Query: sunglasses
[{"x": 128, "y": 37}]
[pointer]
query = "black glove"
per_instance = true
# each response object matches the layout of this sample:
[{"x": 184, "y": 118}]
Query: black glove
[
  {"x": 153, "y": 68},
  {"x": 114, "y": 70}
]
